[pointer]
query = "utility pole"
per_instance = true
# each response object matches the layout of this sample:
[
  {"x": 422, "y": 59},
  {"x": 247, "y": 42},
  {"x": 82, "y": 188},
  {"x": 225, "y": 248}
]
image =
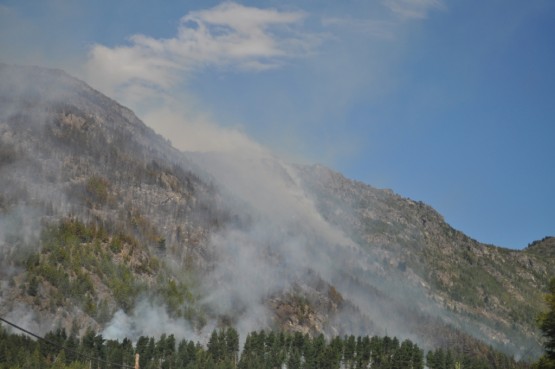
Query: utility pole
[{"x": 137, "y": 360}]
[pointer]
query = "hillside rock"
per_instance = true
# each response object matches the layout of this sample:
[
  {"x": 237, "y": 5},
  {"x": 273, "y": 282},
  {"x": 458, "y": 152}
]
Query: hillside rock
[{"x": 231, "y": 238}]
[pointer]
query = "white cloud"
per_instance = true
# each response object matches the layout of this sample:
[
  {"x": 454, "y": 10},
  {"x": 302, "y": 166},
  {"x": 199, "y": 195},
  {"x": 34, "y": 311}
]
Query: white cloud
[
  {"x": 229, "y": 35},
  {"x": 150, "y": 74},
  {"x": 413, "y": 9},
  {"x": 370, "y": 27}
]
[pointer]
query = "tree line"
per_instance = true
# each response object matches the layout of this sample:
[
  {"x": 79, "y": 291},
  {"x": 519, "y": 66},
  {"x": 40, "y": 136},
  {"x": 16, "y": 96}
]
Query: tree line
[{"x": 261, "y": 350}]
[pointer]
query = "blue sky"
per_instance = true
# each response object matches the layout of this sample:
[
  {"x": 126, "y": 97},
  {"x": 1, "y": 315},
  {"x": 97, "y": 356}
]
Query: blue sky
[{"x": 447, "y": 102}]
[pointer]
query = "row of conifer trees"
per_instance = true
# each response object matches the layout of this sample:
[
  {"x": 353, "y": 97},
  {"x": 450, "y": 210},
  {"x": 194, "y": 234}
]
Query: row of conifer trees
[{"x": 261, "y": 350}]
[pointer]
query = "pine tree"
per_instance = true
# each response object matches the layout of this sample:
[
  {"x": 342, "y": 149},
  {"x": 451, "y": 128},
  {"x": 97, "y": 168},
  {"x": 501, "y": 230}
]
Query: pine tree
[
  {"x": 232, "y": 344},
  {"x": 349, "y": 351},
  {"x": 141, "y": 348},
  {"x": 417, "y": 358},
  {"x": 215, "y": 347},
  {"x": 294, "y": 359},
  {"x": 35, "y": 361},
  {"x": 60, "y": 361},
  {"x": 376, "y": 352},
  {"x": 449, "y": 361}
]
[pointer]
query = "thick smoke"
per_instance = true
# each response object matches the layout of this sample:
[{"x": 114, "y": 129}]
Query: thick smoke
[
  {"x": 286, "y": 242},
  {"x": 27, "y": 318},
  {"x": 148, "y": 319},
  {"x": 279, "y": 243},
  {"x": 28, "y": 179},
  {"x": 19, "y": 234}
]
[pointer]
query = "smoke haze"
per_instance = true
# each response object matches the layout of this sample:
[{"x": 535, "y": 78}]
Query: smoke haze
[{"x": 279, "y": 241}]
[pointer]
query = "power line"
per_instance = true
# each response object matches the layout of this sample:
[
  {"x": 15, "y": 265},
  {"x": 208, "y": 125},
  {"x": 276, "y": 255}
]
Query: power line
[{"x": 66, "y": 349}]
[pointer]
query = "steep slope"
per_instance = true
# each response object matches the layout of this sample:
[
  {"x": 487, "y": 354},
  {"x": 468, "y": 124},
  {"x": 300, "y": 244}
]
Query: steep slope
[
  {"x": 494, "y": 290},
  {"x": 542, "y": 248},
  {"x": 67, "y": 151},
  {"x": 104, "y": 224}
]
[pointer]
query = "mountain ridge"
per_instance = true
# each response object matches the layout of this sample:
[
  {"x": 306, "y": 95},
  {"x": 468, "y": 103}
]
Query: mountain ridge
[{"x": 263, "y": 242}]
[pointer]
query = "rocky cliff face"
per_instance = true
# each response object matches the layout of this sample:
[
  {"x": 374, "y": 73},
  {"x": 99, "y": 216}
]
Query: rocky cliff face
[{"x": 103, "y": 222}]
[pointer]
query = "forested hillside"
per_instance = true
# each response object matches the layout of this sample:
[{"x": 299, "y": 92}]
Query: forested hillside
[{"x": 104, "y": 226}]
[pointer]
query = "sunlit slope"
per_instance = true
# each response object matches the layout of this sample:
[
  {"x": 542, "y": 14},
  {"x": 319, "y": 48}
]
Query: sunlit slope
[{"x": 103, "y": 223}]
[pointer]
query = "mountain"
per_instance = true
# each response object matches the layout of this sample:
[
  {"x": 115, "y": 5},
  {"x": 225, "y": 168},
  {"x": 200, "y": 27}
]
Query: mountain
[{"x": 104, "y": 224}]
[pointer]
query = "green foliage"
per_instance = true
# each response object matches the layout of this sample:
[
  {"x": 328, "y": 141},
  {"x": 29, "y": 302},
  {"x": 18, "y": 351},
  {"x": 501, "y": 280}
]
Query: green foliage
[
  {"x": 66, "y": 254},
  {"x": 176, "y": 295},
  {"x": 97, "y": 190},
  {"x": 487, "y": 282},
  {"x": 76, "y": 259},
  {"x": 261, "y": 350},
  {"x": 33, "y": 287},
  {"x": 68, "y": 250},
  {"x": 450, "y": 359},
  {"x": 543, "y": 248},
  {"x": 547, "y": 325},
  {"x": 122, "y": 283}
]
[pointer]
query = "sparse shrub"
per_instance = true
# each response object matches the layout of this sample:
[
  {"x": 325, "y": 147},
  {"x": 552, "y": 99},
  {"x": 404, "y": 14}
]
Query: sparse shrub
[
  {"x": 162, "y": 244},
  {"x": 32, "y": 289},
  {"x": 115, "y": 245},
  {"x": 335, "y": 296},
  {"x": 97, "y": 190}
]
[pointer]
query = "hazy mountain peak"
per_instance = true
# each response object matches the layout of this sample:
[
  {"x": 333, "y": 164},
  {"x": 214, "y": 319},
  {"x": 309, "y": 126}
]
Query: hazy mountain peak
[{"x": 237, "y": 238}]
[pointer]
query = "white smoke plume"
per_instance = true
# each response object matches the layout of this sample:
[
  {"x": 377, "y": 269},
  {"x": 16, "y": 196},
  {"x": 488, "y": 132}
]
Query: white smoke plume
[
  {"x": 151, "y": 320},
  {"x": 284, "y": 237}
]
